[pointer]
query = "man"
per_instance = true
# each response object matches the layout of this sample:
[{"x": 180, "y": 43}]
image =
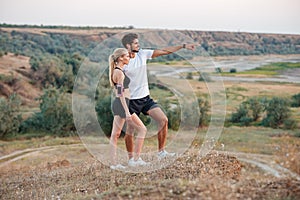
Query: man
[{"x": 140, "y": 100}]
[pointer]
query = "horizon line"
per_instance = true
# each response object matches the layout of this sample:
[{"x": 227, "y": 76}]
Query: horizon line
[{"x": 28, "y": 25}]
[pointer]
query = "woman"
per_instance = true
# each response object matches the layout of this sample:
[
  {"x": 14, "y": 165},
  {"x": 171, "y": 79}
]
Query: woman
[{"x": 120, "y": 82}]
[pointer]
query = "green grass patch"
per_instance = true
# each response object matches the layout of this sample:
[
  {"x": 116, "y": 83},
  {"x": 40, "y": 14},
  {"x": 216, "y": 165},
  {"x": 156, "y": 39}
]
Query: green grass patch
[
  {"x": 255, "y": 139},
  {"x": 157, "y": 92},
  {"x": 172, "y": 63},
  {"x": 268, "y": 70}
]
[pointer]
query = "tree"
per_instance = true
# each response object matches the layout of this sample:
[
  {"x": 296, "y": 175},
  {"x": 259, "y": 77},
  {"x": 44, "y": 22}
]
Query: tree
[
  {"x": 296, "y": 100},
  {"x": 204, "y": 109},
  {"x": 55, "y": 114},
  {"x": 249, "y": 111},
  {"x": 241, "y": 115},
  {"x": 105, "y": 115},
  {"x": 256, "y": 107},
  {"x": 189, "y": 75},
  {"x": 277, "y": 111},
  {"x": 9, "y": 115}
]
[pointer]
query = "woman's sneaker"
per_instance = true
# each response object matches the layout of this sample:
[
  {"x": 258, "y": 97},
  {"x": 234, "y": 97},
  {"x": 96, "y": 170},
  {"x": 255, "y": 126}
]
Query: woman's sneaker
[
  {"x": 118, "y": 166},
  {"x": 164, "y": 154},
  {"x": 138, "y": 162}
]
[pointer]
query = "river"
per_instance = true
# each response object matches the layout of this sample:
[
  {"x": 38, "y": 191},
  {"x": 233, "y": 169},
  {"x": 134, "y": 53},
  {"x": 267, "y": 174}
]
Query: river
[{"x": 240, "y": 63}]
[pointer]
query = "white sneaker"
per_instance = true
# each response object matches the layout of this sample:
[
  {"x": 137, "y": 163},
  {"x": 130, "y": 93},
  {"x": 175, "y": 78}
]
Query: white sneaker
[
  {"x": 118, "y": 166},
  {"x": 163, "y": 154},
  {"x": 138, "y": 162}
]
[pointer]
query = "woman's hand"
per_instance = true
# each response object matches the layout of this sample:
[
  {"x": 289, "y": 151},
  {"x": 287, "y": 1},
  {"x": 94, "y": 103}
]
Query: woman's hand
[{"x": 128, "y": 118}]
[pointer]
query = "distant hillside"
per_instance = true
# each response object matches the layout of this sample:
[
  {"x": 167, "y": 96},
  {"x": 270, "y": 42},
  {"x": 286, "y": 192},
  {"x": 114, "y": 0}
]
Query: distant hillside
[
  {"x": 32, "y": 58},
  {"x": 216, "y": 43}
]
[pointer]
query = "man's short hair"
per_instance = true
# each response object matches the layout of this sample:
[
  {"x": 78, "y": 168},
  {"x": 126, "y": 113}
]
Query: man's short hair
[{"x": 128, "y": 38}]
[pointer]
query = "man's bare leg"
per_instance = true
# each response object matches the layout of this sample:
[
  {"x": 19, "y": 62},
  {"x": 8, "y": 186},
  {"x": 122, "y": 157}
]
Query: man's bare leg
[
  {"x": 129, "y": 140},
  {"x": 159, "y": 116}
]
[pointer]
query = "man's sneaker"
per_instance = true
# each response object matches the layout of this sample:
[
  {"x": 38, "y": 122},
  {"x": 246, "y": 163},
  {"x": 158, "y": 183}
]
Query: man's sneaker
[
  {"x": 118, "y": 166},
  {"x": 138, "y": 162},
  {"x": 164, "y": 154}
]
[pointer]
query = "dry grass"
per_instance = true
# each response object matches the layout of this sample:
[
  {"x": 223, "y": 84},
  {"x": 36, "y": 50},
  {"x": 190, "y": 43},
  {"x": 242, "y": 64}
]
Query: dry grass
[
  {"x": 17, "y": 71},
  {"x": 76, "y": 175}
]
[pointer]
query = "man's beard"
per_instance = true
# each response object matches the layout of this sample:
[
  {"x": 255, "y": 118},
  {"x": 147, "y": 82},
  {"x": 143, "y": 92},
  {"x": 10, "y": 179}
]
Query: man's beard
[{"x": 135, "y": 51}]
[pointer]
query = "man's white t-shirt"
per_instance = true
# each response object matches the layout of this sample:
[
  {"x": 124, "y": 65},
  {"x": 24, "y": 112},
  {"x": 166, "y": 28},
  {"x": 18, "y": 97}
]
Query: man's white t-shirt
[{"x": 136, "y": 70}]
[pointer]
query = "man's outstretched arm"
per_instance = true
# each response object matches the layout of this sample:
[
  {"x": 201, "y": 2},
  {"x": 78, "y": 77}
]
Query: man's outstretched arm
[{"x": 172, "y": 49}]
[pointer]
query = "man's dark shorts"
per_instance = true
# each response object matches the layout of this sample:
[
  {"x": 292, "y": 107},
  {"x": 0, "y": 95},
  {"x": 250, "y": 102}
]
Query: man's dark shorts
[{"x": 142, "y": 105}]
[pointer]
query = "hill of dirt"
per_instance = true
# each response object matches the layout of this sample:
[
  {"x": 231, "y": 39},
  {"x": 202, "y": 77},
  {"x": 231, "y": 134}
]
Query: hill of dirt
[
  {"x": 215, "y": 176},
  {"x": 16, "y": 77}
]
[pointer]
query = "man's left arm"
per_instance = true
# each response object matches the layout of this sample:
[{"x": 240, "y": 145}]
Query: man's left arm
[{"x": 172, "y": 49}]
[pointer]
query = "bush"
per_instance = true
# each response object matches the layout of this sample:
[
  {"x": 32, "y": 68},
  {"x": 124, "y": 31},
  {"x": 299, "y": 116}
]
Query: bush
[
  {"x": 248, "y": 112},
  {"x": 55, "y": 116},
  {"x": 233, "y": 70},
  {"x": 204, "y": 109},
  {"x": 296, "y": 100},
  {"x": 241, "y": 112},
  {"x": 290, "y": 124},
  {"x": 204, "y": 77},
  {"x": 173, "y": 113},
  {"x": 256, "y": 106},
  {"x": 9, "y": 115},
  {"x": 105, "y": 115},
  {"x": 277, "y": 111},
  {"x": 174, "y": 118},
  {"x": 219, "y": 70},
  {"x": 189, "y": 75}
]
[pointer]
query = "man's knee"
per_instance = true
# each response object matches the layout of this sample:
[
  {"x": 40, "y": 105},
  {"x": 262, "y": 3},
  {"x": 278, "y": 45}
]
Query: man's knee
[
  {"x": 129, "y": 130},
  {"x": 164, "y": 121},
  {"x": 142, "y": 132},
  {"x": 128, "y": 136}
]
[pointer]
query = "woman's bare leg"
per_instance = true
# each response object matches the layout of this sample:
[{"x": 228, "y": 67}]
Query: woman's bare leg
[
  {"x": 115, "y": 134},
  {"x": 141, "y": 133}
]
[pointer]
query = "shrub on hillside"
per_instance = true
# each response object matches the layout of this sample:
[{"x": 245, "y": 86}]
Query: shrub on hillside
[
  {"x": 9, "y": 115},
  {"x": 204, "y": 109},
  {"x": 105, "y": 115},
  {"x": 55, "y": 114},
  {"x": 296, "y": 100},
  {"x": 277, "y": 112},
  {"x": 249, "y": 111},
  {"x": 189, "y": 75},
  {"x": 242, "y": 115},
  {"x": 233, "y": 70}
]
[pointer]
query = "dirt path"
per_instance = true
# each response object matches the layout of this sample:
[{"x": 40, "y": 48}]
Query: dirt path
[
  {"x": 17, "y": 155},
  {"x": 266, "y": 163}
]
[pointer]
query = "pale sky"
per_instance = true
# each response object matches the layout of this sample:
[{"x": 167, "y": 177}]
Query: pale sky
[{"x": 258, "y": 16}]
